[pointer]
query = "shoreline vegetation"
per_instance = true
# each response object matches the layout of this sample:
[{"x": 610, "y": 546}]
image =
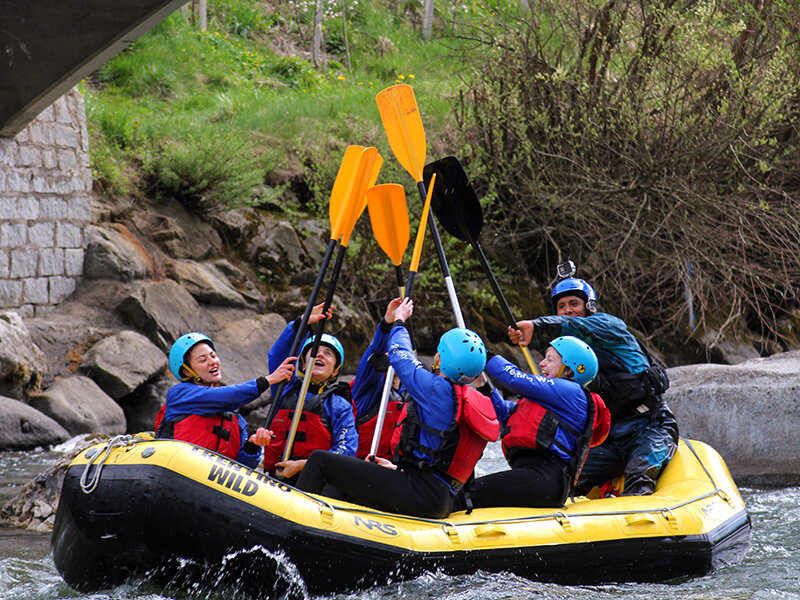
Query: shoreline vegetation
[{"x": 655, "y": 145}]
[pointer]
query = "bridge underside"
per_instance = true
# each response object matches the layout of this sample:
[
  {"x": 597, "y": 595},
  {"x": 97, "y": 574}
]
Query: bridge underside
[{"x": 48, "y": 46}]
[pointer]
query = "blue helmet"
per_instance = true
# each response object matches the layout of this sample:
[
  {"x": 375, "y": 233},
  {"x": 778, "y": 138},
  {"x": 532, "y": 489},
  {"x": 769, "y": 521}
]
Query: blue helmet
[
  {"x": 462, "y": 354},
  {"x": 572, "y": 286},
  {"x": 182, "y": 345},
  {"x": 329, "y": 341},
  {"x": 578, "y": 356}
]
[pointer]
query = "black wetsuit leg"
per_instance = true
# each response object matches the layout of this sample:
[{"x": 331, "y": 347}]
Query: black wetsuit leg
[
  {"x": 410, "y": 491},
  {"x": 538, "y": 484}
]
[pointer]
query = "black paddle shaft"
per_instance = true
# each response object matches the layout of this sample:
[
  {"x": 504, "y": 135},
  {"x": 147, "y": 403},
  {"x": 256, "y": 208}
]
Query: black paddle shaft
[
  {"x": 337, "y": 267},
  {"x": 298, "y": 336}
]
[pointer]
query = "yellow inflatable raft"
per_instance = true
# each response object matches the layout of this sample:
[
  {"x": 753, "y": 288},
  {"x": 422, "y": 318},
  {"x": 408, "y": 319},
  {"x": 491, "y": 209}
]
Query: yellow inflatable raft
[{"x": 152, "y": 508}]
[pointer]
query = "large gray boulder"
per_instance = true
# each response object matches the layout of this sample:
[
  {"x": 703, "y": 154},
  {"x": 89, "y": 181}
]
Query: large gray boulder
[
  {"x": 206, "y": 283},
  {"x": 122, "y": 362},
  {"x": 141, "y": 406},
  {"x": 243, "y": 346},
  {"x": 748, "y": 412},
  {"x": 22, "y": 363},
  {"x": 163, "y": 310},
  {"x": 112, "y": 252},
  {"x": 80, "y": 406},
  {"x": 22, "y": 427},
  {"x": 277, "y": 249}
]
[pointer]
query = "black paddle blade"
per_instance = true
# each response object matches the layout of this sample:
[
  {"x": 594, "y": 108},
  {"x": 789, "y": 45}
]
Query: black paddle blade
[{"x": 454, "y": 201}]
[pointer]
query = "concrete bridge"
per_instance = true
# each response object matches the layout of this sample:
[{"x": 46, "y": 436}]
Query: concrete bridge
[{"x": 48, "y": 46}]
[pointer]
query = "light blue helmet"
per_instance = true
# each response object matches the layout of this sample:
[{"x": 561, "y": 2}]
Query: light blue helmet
[
  {"x": 182, "y": 345},
  {"x": 462, "y": 354},
  {"x": 326, "y": 340},
  {"x": 572, "y": 286},
  {"x": 578, "y": 356}
]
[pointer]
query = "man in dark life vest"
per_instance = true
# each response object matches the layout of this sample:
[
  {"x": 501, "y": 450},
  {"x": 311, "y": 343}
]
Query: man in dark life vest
[
  {"x": 367, "y": 388},
  {"x": 327, "y": 421},
  {"x": 547, "y": 433},
  {"x": 202, "y": 411},
  {"x": 644, "y": 433},
  {"x": 444, "y": 435}
]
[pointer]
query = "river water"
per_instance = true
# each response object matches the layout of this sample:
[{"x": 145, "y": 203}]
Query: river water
[{"x": 770, "y": 571}]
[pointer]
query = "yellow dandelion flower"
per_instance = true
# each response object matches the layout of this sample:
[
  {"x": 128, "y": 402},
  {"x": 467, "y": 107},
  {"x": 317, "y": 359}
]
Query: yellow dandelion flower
[
  {"x": 340, "y": 78},
  {"x": 401, "y": 77},
  {"x": 411, "y": 76}
]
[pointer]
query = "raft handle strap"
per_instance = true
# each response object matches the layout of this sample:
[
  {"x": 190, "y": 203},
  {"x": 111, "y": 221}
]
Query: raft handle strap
[{"x": 89, "y": 483}]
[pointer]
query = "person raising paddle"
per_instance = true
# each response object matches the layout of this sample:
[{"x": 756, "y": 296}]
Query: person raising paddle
[
  {"x": 327, "y": 421},
  {"x": 547, "y": 432},
  {"x": 367, "y": 387},
  {"x": 202, "y": 411},
  {"x": 644, "y": 433},
  {"x": 444, "y": 434}
]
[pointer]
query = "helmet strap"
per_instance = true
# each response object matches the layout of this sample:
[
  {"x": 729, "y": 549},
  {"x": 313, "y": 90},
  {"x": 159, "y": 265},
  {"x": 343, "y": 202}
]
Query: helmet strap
[{"x": 193, "y": 377}]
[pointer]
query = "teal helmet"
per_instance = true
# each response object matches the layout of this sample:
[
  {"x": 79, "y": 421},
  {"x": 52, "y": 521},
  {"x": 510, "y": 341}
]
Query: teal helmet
[
  {"x": 572, "y": 286},
  {"x": 181, "y": 347},
  {"x": 329, "y": 341},
  {"x": 578, "y": 356},
  {"x": 462, "y": 354}
]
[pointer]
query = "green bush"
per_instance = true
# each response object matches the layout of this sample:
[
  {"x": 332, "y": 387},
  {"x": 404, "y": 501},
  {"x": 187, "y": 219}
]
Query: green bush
[{"x": 206, "y": 169}]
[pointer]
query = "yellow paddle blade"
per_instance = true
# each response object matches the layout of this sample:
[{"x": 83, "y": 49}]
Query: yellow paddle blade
[
  {"x": 423, "y": 220},
  {"x": 403, "y": 124},
  {"x": 341, "y": 185},
  {"x": 369, "y": 165},
  {"x": 388, "y": 215}
]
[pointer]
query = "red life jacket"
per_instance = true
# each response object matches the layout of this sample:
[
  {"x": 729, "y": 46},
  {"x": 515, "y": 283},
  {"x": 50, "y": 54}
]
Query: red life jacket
[
  {"x": 366, "y": 426},
  {"x": 462, "y": 443},
  {"x": 314, "y": 431},
  {"x": 532, "y": 427},
  {"x": 219, "y": 433}
]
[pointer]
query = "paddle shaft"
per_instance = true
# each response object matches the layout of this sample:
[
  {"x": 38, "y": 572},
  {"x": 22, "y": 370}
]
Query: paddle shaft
[
  {"x": 387, "y": 383},
  {"x": 301, "y": 398},
  {"x": 487, "y": 269},
  {"x": 298, "y": 336},
  {"x": 448, "y": 280}
]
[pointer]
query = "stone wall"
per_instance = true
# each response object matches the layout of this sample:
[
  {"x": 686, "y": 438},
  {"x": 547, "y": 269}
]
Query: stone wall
[{"x": 45, "y": 205}]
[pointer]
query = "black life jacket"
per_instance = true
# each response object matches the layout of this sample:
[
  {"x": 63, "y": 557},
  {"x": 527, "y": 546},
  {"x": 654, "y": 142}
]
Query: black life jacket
[
  {"x": 627, "y": 394},
  {"x": 314, "y": 431},
  {"x": 462, "y": 443},
  {"x": 366, "y": 425},
  {"x": 219, "y": 432}
]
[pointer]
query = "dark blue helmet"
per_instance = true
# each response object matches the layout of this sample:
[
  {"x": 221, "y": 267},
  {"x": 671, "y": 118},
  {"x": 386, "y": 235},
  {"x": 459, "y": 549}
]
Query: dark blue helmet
[{"x": 572, "y": 286}]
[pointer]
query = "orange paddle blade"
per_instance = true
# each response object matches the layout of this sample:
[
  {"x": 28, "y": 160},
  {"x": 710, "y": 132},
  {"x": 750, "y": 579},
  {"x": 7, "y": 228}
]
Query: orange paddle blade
[
  {"x": 388, "y": 215},
  {"x": 341, "y": 186},
  {"x": 403, "y": 124},
  {"x": 369, "y": 165}
]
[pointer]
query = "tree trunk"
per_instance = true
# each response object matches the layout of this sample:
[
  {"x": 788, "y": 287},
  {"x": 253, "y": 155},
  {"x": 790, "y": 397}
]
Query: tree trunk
[
  {"x": 316, "y": 37},
  {"x": 344, "y": 32},
  {"x": 202, "y": 7},
  {"x": 427, "y": 20}
]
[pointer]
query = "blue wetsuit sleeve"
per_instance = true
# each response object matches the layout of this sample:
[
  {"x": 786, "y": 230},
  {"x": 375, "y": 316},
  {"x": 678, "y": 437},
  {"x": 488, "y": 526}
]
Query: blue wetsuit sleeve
[
  {"x": 432, "y": 393},
  {"x": 192, "y": 399},
  {"x": 608, "y": 336},
  {"x": 563, "y": 396},
  {"x": 368, "y": 383},
  {"x": 501, "y": 406},
  {"x": 343, "y": 424},
  {"x": 280, "y": 352}
]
